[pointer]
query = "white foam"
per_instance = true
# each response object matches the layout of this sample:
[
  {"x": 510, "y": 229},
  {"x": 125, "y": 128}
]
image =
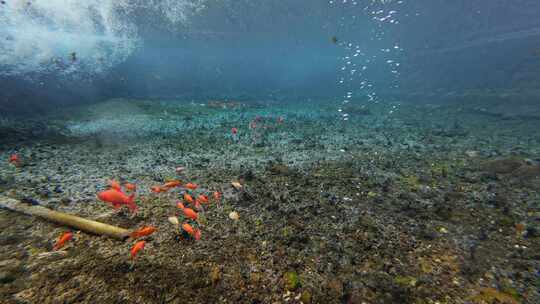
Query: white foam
[{"x": 39, "y": 37}]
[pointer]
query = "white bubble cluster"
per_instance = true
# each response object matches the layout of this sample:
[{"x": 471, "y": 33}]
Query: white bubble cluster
[
  {"x": 73, "y": 37},
  {"x": 359, "y": 59}
]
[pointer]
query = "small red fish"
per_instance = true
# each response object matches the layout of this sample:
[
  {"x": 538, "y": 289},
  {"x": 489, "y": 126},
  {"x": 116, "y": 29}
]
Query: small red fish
[
  {"x": 118, "y": 198},
  {"x": 157, "y": 189},
  {"x": 115, "y": 185},
  {"x": 191, "y": 186},
  {"x": 14, "y": 158},
  {"x": 188, "y": 198},
  {"x": 136, "y": 248},
  {"x": 62, "y": 240},
  {"x": 234, "y": 131},
  {"x": 188, "y": 212},
  {"x": 202, "y": 198},
  {"x": 146, "y": 231},
  {"x": 197, "y": 204},
  {"x": 131, "y": 187},
  {"x": 217, "y": 195},
  {"x": 172, "y": 184},
  {"x": 196, "y": 233}
]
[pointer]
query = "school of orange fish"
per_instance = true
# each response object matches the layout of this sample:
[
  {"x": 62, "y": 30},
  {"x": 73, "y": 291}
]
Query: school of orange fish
[
  {"x": 118, "y": 196},
  {"x": 191, "y": 202}
]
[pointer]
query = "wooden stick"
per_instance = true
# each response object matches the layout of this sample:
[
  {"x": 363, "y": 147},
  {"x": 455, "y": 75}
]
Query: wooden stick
[{"x": 64, "y": 219}]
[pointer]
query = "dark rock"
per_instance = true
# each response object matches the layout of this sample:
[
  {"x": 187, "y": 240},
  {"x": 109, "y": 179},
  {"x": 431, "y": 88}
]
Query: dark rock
[
  {"x": 6, "y": 277},
  {"x": 29, "y": 201},
  {"x": 65, "y": 201},
  {"x": 247, "y": 175},
  {"x": 44, "y": 193},
  {"x": 58, "y": 189},
  {"x": 532, "y": 232}
]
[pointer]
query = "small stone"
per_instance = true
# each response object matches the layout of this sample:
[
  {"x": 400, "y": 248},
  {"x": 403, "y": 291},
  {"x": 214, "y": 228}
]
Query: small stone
[
  {"x": 174, "y": 220},
  {"x": 58, "y": 189},
  {"x": 215, "y": 275},
  {"x": 236, "y": 185},
  {"x": 234, "y": 216},
  {"x": 65, "y": 201},
  {"x": 44, "y": 193},
  {"x": 471, "y": 153}
]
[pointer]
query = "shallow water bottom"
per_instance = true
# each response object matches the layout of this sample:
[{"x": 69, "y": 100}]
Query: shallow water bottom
[{"x": 398, "y": 204}]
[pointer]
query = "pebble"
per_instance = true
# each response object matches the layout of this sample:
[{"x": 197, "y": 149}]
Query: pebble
[
  {"x": 234, "y": 216},
  {"x": 471, "y": 153},
  {"x": 174, "y": 220},
  {"x": 236, "y": 185},
  {"x": 58, "y": 189}
]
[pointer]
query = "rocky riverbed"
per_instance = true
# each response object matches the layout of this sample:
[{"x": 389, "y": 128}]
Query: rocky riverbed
[{"x": 397, "y": 204}]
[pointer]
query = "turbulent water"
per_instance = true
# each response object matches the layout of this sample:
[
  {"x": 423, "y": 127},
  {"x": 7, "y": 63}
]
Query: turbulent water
[{"x": 256, "y": 151}]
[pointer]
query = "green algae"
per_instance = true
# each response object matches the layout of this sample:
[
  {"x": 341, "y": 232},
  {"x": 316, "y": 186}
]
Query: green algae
[
  {"x": 405, "y": 281},
  {"x": 291, "y": 280}
]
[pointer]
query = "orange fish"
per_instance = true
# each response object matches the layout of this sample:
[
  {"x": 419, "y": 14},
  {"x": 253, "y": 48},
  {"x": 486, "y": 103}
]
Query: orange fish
[
  {"x": 202, "y": 198},
  {"x": 196, "y": 233},
  {"x": 191, "y": 186},
  {"x": 118, "y": 198},
  {"x": 188, "y": 198},
  {"x": 172, "y": 184},
  {"x": 146, "y": 231},
  {"x": 234, "y": 130},
  {"x": 136, "y": 248},
  {"x": 62, "y": 240},
  {"x": 157, "y": 189},
  {"x": 115, "y": 185},
  {"x": 217, "y": 195},
  {"x": 131, "y": 187},
  {"x": 198, "y": 205},
  {"x": 188, "y": 212},
  {"x": 14, "y": 158}
]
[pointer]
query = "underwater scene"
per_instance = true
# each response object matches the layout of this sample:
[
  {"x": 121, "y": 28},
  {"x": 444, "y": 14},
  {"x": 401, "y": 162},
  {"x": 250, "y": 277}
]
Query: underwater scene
[{"x": 270, "y": 151}]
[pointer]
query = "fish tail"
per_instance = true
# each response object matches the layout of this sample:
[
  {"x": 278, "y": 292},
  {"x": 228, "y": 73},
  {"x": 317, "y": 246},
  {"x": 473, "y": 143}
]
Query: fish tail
[{"x": 131, "y": 199}]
